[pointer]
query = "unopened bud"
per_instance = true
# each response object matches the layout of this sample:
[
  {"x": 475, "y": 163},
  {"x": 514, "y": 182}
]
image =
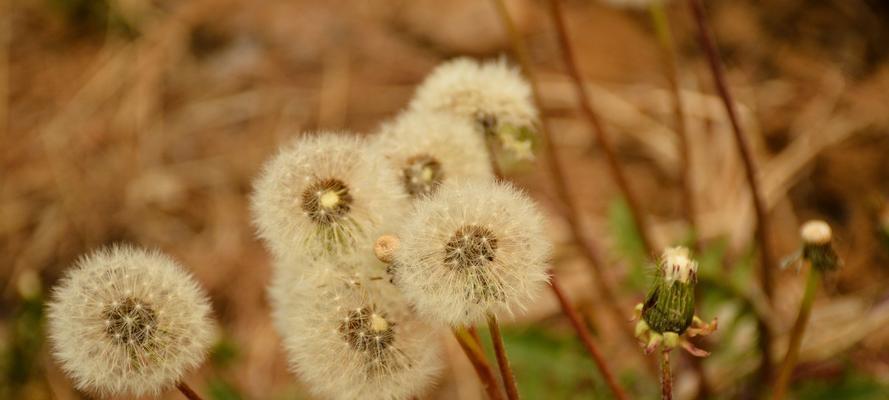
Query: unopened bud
[
  {"x": 669, "y": 305},
  {"x": 817, "y": 248},
  {"x": 385, "y": 248}
]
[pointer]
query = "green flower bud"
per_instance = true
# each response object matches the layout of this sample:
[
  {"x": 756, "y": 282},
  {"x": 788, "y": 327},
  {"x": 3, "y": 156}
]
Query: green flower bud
[
  {"x": 817, "y": 247},
  {"x": 669, "y": 305}
]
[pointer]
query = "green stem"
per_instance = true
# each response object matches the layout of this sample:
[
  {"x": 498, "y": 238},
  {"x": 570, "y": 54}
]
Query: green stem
[
  {"x": 666, "y": 376},
  {"x": 796, "y": 335}
]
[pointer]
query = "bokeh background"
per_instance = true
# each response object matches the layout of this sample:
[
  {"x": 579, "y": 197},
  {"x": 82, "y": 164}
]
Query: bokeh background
[{"x": 145, "y": 121}]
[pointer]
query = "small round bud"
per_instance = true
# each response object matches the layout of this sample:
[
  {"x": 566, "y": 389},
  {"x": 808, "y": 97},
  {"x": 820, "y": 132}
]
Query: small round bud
[
  {"x": 385, "y": 248},
  {"x": 817, "y": 247},
  {"x": 669, "y": 305},
  {"x": 816, "y": 232}
]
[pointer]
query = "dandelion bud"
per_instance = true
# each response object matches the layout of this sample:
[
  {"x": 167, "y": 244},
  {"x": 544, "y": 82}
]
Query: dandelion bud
[
  {"x": 427, "y": 148},
  {"x": 817, "y": 248},
  {"x": 352, "y": 337},
  {"x": 493, "y": 95},
  {"x": 470, "y": 250},
  {"x": 126, "y": 321},
  {"x": 323, "y": 195},
  {"x": 669, "y": 305}
]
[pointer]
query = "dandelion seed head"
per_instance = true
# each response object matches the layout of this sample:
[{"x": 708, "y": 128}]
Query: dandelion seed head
[
  {"x": 126, "y": 321},
  {"x": 492, "y": 95},
  {"x": 428, "y": 148},
  {"x": 474, "y": 248},
  {"x": 351, "y": 335},
  {"x": 677, "y": 265},
  {"x": 324, "y": 195}
]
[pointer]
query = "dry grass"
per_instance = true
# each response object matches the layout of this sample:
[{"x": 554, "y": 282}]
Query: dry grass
[{"x": 154, "y": 137}]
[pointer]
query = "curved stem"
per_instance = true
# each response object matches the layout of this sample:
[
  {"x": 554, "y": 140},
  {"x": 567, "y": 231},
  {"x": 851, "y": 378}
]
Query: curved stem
[
  {"x": 512, "y": 390},
  {"x": 584, "y": 334},
  {"x": 762, "y": 222},
  {"x": 187, "y": 391},
  {"x": 479, "y": 362},
  {"x": 602, "y": 138},
  {"x": 796, "y": 335},
  {"x": 571, "y": 212},
  {"x": 666, "y": 376}
]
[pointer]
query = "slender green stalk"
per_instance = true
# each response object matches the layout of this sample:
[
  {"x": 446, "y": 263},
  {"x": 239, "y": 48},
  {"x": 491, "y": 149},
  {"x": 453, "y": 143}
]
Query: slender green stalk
[
  {"x": 476, "y": 356},
  {"x": 662, "y": 29},
  {"x": 512, "y": 390},
  {"x": 762, "y": 222},
  {"x": 661, "y": 23},
  {"x": 796, "y": 335},
  {"x": 666, "y": 376}
]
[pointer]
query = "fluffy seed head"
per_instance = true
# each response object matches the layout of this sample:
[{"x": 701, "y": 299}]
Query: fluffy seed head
[
  {"x": 472, "y": 249},
  {"x": 493, "y": 95},
  {"x": 324, "y": 195},
  {"x": 126, "y": 321},
  {"x": 351, "y": 336},
  {"x": 815, "y": 232},
  {"x": 428, "y": 148}
]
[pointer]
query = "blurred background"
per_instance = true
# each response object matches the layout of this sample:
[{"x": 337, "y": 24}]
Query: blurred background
[{"x": 145, "y": 121}]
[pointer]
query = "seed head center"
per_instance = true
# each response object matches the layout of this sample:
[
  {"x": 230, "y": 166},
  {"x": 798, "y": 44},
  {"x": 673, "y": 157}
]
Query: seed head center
[
  {"x": 366, "y": 330},
  {"x": 471, "y": 246},
  {"x": 422, "y": 174},
  {"x": 130, "y": 322},
  {"x": 326, "y": 201}
]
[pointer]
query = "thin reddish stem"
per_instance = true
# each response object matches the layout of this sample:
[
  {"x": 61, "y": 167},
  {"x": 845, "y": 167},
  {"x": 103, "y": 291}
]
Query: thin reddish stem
[
  {"x": 512, "y": 389},
  {"x": 762, "y": 223},
  {"x": 479, "y": 362},
  {"x": 666, "y": 376},
  {"x": 586, "y": 338},
  {"x": 602, "y": 137},
  {"x": 187, "y": 391}
]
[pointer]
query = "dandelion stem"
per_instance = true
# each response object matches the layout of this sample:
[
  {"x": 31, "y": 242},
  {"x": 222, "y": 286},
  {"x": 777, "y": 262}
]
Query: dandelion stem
[
  {"x": 187, "y": 391},
  {"x": 661, "y": 23},
  {"x": 571, "y": 212},
  {"x": 586, "y": 338},
  {"x": 796, "y": 335},
  {"x": 762, "y": 223},
  {"x": 662, "y": 29},
  {"x": 512, "y": 390},
  {"x": 479, "y": 362},
  {"x": 666, "y": 376},
  {"x": 592, "y": 116}
]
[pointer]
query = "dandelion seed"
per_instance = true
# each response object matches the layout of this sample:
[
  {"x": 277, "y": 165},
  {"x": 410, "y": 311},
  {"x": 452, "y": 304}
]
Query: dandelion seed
[
  {"x": 470, "y": 250},
  {"x": 122, "y": 341}
]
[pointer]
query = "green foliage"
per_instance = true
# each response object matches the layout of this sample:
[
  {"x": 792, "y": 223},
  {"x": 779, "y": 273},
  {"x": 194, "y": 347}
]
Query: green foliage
[
  {"x": 20, "y": 361},
  {"x": 629, "y": 245},
  {"x": 550, "y": 365},
  {"x": 850, "y": 386},
  {"x": 218, "y": 389}
]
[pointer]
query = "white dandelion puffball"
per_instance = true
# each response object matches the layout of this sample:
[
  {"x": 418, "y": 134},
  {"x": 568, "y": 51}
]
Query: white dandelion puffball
[
  {"x": 127, "y": 321},
  {"x": 470, "y": 250},
  {"x": 348, "y": 338},
  {"x": 493, "y": 95},
  {"x": 427, "y": 148},
  {"x": 326, "y": 195}
]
